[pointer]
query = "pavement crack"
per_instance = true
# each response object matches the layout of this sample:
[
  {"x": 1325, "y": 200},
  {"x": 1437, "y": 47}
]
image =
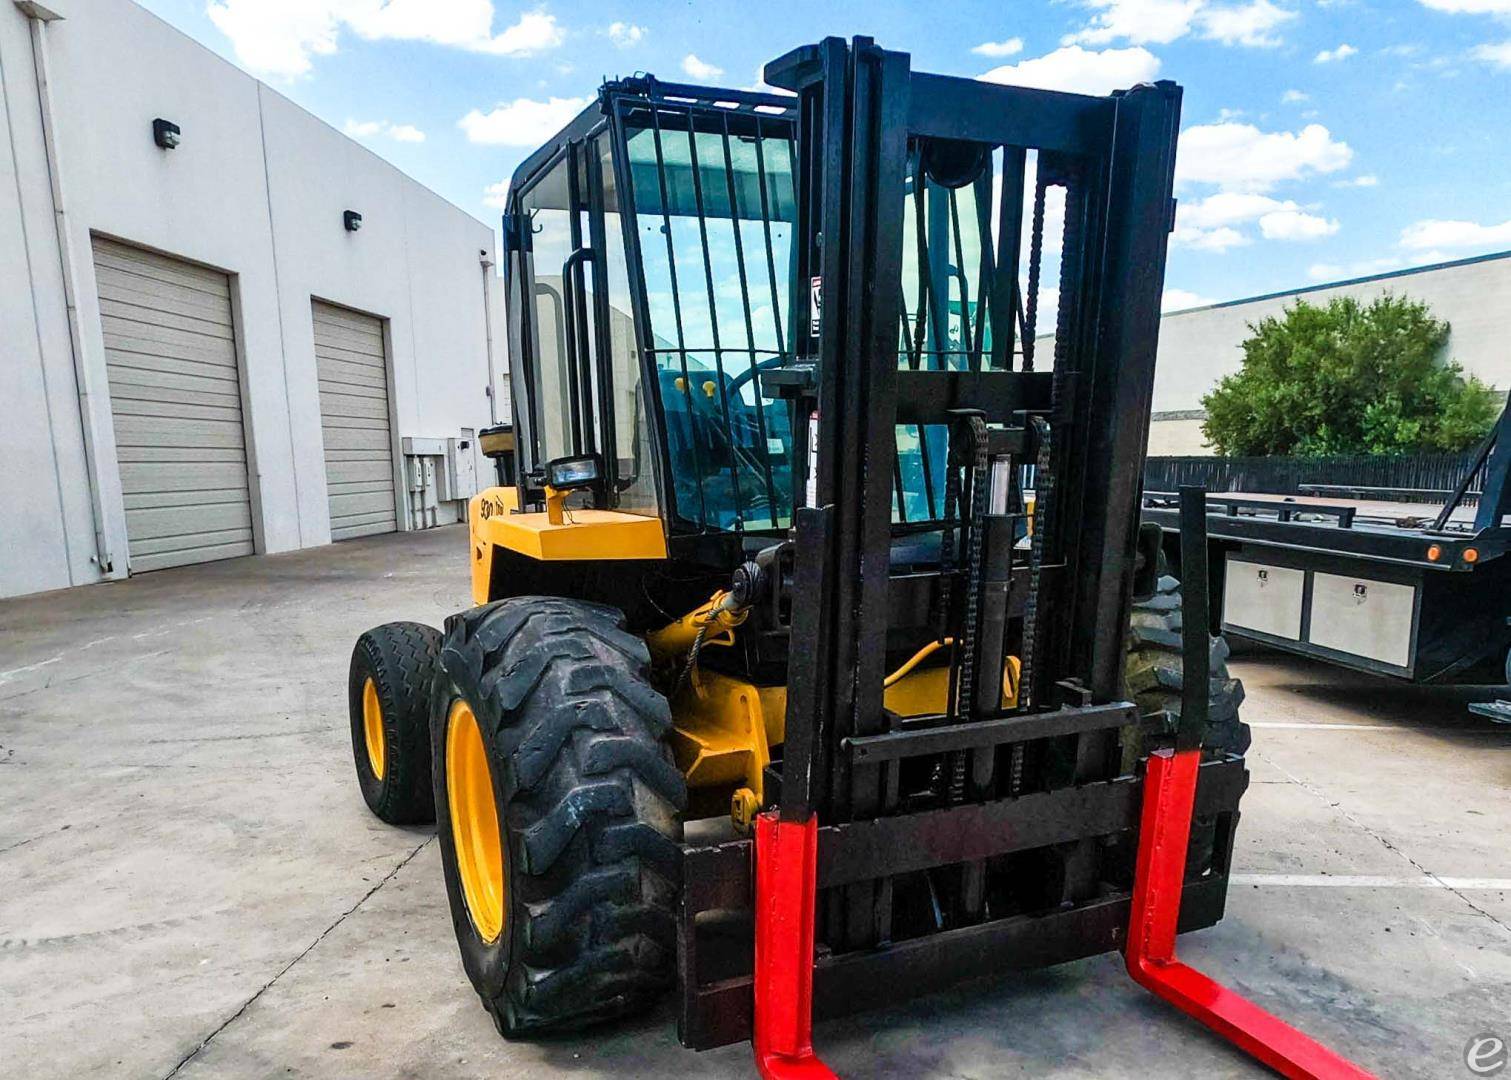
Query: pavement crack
[
  {"x": 265, "y": 987},
  {"x": 1379, "y": 838}
]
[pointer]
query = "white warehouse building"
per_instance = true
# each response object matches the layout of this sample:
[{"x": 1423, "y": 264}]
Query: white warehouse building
[
  {"x": 225, "y": 328},
  {"x": 1199, "y": 346}
]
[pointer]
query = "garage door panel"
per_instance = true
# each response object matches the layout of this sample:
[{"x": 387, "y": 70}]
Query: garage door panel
[
  {"x": 160, "y": 522},
  {"x": 148, "y": 295},
  {"x": 368, "y": 358},
  {"x": 351, "y": 370},
  {"x": 175, "y": 400},
  {"x": 133, "y": 315},
  {"x": 350, "y": 472},
  {"x": 331, "y": 386},
  {"x": 372, "y": 411},
  {"x": 151, "y": 477},
  {"x": 352, "y": 375},
  {"x": 353, "y": 324},
  {"x": 173, "y": 431},
  {"x": 347, "y": 343},
  {"x": 361, "y": 503},
  {"x": 201, "y": 554},
  {"x": 176, "y": 406},
  {"x": 128, "y": 383},
  {"x": 353, "y": 528},
  {"x": 125, "y": 341},
  {"x": 128, "y": 259},
  {"x": 341, "y": 438},
  {"x": 162, "y": 500},
  {"x": 153, "y": 455}
]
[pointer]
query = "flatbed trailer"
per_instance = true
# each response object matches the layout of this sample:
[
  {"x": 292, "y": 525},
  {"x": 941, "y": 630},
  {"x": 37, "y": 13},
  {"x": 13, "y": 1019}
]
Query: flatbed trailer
[{"x": 1406, "y": 590}]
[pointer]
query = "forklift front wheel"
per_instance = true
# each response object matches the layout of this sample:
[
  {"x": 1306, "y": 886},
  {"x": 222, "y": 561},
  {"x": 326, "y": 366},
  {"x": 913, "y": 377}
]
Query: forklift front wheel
[{"x": 557, "y": 811}]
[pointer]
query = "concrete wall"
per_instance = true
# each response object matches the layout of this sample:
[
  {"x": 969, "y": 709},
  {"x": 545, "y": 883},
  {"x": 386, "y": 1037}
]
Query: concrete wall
[
  {"x": 257, "y": 190},
  {"x": 1199, "y": 347}
]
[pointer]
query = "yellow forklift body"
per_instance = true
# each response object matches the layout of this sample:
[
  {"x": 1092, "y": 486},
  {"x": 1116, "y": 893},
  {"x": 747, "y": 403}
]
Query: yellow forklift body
[{"x": 494, "y": 521}]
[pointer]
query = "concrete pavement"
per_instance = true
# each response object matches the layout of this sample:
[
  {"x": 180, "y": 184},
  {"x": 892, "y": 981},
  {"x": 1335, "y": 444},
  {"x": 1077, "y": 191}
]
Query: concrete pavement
[{"x": 190, "y": 884}]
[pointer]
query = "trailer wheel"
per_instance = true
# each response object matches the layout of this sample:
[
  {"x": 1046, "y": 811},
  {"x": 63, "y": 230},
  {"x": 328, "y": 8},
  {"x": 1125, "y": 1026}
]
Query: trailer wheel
[
  {"x": 559, "y": 801},
  {"x": 388, "y": 697}
]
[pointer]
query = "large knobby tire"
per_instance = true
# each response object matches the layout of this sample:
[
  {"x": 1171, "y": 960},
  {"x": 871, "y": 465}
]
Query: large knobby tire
[
  {"x": 586, "y": 798},
  {"x": 1154, "y": 670},
  {"x": 388, "y": 697}
]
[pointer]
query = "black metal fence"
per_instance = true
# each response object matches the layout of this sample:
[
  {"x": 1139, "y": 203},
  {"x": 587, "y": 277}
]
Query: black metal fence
[{"x": 1425, "y": 477}]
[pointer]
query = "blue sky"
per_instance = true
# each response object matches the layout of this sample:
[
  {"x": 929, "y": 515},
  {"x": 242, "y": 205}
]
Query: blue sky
[{"x": 1321, "y": 138}]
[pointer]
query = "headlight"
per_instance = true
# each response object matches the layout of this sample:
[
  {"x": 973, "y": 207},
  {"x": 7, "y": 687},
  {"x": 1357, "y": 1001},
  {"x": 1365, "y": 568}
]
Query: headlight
[{"x": 565, "y": 474}]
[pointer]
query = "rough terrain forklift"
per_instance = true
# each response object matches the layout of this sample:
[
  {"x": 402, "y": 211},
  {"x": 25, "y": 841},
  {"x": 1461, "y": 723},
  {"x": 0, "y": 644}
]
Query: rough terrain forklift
[{"x": 776, "y": 691}]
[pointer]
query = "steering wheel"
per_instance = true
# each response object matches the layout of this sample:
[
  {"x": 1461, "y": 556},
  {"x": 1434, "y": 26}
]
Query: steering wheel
[{"x": 749, "y": 373}]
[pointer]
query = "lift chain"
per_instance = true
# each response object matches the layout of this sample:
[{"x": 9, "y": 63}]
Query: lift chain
[
  {"x": 965, "y": 701},
  {"x": 947, "y": 549},
  {"x": 1035, "y": 259},
  {"x": 1043, "y": 492}
]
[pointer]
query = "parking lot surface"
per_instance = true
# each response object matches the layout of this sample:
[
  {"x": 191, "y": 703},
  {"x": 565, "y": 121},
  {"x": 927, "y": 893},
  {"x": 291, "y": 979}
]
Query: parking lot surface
[{"x": 191, "y": 885}]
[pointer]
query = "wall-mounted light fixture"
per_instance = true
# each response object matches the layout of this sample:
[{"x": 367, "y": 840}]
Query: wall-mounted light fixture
[
  {"x": 166, "y": 133},
  {"x": 352, "y": 220}
]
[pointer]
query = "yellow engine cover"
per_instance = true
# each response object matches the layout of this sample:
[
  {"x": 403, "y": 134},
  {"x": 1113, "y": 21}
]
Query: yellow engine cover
[{"x": 494, "y": 522}]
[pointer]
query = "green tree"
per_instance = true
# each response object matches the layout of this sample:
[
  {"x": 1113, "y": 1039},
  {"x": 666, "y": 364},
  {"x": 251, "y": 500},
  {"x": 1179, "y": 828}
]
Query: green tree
[{"x": 1348, "y": 378}]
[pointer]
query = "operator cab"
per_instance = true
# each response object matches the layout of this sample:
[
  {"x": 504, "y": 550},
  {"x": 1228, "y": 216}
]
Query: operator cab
[{"x": 651, "y": 251}]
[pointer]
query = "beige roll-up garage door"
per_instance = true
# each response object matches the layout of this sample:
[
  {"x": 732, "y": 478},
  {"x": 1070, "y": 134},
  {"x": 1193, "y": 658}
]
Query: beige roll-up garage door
[
  {"x": 175, "y": 396},
  {"x": 353, "y": 371}
]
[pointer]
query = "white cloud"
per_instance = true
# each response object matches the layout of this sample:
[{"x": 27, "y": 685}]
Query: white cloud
[
  {"x": 1449, "y": 235},
  {"x": 1292, "y": 97},
  {"x": 1366, "y": 267},
  {"x": 625, "y": 34},
  {"x": 521, "y": 122},
  {"x": 1295, "y": 225},
  {"x": 1499, "y": 55},
  {"x": 1181, "y": 299},
  {"x": 1328, "y": 56},
  {"x": 276, "y": 37},
  {"x": 1470, "y": 7},
  {"x": 1140, "y": 22},
  {"x": 1367, "y": 180},
  {"x": 1216, "y": 240},
  {"x": 279, "y": 37},
  {"x": 1080, "y": 71},
  {"x": 534, "y": 33},
  {"x": 1249, "y": 24},
  {"x": 995, "y": 49},
  {"x": 1228, "y": 208},
  {"x": 1240, "y": 157},
  {"x": 699, "y": 69},
  {"x": 497, "y": 195},
  {"x": 370, "y": 129},
  {"x": 1159, "y": 22}
]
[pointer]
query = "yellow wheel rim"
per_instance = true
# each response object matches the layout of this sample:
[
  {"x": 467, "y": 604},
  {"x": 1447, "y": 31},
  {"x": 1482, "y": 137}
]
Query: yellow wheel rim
[
  {"x": 372, "y": 729},
  {"x": 474, "y": 822}
]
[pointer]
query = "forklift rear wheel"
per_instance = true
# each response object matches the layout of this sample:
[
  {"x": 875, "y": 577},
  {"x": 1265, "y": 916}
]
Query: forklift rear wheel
[
  {"x": 388, "y": 696},
  {"x": 1155, "y": 680},
  {"x": 1154, "y": 670},
  {"x": 558, "y": 820}
]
